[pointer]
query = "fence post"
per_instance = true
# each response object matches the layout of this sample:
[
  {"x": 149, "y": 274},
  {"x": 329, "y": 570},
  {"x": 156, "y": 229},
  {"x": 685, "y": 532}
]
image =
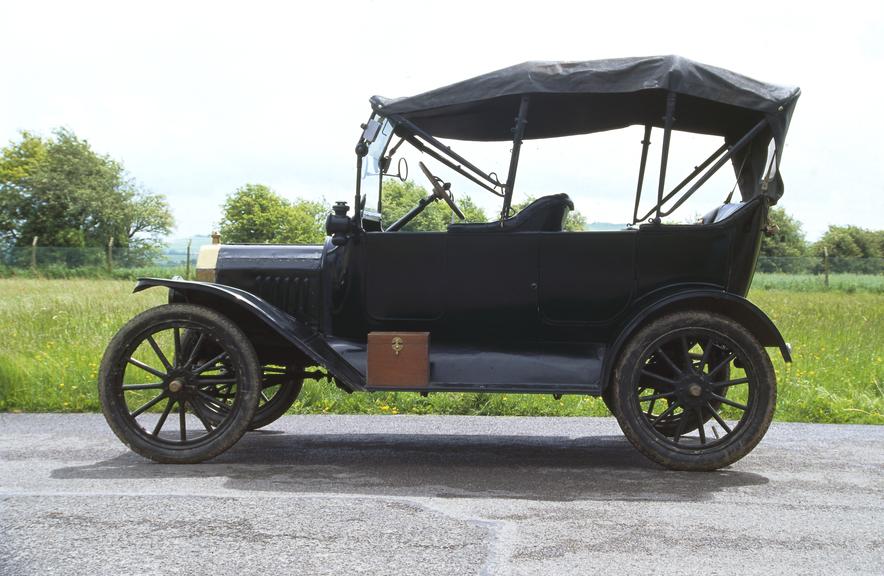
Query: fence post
[
  {"x": 826, "y": 264},
  {"x": 110, "y": 259},
  {"x": 187, "y": 268},
  {"x": 34, "y": 253}
]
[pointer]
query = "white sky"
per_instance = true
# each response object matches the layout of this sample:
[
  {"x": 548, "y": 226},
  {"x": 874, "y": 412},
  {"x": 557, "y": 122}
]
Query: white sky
[{"x": 197, "y": 99}]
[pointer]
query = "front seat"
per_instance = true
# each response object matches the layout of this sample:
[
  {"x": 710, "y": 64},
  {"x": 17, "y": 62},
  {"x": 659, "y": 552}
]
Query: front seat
[{"x": 546, "y": 214}]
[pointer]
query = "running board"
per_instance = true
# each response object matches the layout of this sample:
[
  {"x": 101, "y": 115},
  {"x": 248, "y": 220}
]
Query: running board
[
  {"x": 554, "y": 389},
  {"x": 523, "y": 368}
]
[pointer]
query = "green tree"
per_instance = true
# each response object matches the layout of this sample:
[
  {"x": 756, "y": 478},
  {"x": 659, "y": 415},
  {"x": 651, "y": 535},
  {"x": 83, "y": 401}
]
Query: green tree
[
  {"x": 18, "y": 166},
  {"x": 851, "y": 249},
  {"x": 782, "y": 251},
  {"x": 255, "y": 214},
  {"x": 400, "y": 197},
  {"x": 574, "y": 222},
  {"x": 850, "y": 242},
  {"x": 61, "y": 190},
  {"x": 146, "y": 221}
]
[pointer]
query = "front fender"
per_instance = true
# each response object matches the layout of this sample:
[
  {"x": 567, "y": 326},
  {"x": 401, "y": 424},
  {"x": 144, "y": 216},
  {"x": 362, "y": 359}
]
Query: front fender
[
  {"x": 292, "y": 331},
  {"x": 736, "y": 307}
]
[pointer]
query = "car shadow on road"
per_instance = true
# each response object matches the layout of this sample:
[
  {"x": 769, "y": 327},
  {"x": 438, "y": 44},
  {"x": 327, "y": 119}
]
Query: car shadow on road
[{"x": 435, "y": 465}]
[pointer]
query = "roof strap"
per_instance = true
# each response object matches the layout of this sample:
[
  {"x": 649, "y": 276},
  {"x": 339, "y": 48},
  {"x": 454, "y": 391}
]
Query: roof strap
[{"x": 739, "y": 174}]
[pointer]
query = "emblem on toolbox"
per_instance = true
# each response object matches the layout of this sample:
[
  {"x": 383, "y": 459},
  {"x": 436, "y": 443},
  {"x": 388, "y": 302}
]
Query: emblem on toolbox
[{"x": 397, "y": 345}]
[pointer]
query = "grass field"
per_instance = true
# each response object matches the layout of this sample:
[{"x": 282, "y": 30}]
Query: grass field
[
  {"x": 849, "y": 283},
  {"x": 53, "y": 333}
]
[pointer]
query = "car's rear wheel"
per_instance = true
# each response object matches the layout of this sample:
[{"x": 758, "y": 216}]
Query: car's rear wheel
[
  {"x": 694, "y": 391},
  {"x": 686, "y": 422},
  {"x": 157, "y": 391}
]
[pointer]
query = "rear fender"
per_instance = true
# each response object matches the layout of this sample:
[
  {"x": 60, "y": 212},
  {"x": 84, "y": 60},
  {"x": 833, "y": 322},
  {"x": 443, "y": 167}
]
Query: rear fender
[
  {"x": 255, "y": 315},
  {"x": 737, "y": 308}
]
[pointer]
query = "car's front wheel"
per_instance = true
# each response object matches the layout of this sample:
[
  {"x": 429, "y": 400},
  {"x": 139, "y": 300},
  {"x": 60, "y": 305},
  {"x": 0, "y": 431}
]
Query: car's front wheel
[
  {"x": 694, "y": 391},
  {"x": 168, "y": 402},
  {"x": 280, "y": 386}
]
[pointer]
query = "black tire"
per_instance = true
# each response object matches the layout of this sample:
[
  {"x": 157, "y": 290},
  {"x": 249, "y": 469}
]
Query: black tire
[
  {"x": 608, "y": 399},
  {"x": 280, "y": 389},
  {"x": 692, "y": 391},
  {"x": 142, "y": 350}
]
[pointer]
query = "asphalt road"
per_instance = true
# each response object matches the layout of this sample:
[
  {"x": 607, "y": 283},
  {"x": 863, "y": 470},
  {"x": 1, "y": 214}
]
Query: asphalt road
[{"x": 436, "y": 495}]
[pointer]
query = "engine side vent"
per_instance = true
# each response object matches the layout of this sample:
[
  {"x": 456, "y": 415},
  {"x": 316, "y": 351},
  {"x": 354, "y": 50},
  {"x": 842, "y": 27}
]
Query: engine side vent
[{"x": 290, "y": 293}]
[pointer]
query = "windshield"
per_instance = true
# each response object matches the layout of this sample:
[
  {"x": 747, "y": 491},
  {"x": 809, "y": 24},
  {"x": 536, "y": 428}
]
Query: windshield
[{"x": 372, "y": 163}]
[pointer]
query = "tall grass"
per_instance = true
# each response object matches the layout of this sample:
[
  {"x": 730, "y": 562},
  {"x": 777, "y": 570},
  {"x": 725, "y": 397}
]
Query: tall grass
[
  {"x": 53, "y": 333},
  {"x": 849, "y": 283}
]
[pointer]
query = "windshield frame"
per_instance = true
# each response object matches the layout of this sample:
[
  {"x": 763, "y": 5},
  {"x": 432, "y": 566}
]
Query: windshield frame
[{"x": 375, "y": 164}]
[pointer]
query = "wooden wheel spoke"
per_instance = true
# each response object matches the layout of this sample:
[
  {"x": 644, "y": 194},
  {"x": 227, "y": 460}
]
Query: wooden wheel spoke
[
  {"x": 212, "y": 402},
  {"x": 146, "y": 368},
  {"x": 734, "y": 382},
  {"x": 162, "y": 419},
  {"x": 152, "y": 386},
  {"x": 202, "y": 368},
  {"x": 146, "y": 406},
  {"x": 657, "y": 377},
  {"x": 718, "y": 418},
  {"x": 701, "y": 424},
  {"x": 653, "y": 397},
  {"x": 665, "y": 413},
  {"x": 704, "y": 360},
  {"x": 198, "y": 410},
  {"x": 207, "y": 381},
  {"x": 679, "y": 430},
  {"x": 191, "y": 357},
  {"x": 668, "y": 360},
  {"x": 729, "y": 402},
  {"x": 159, "y": 352},
  {"x": 727, "y": 360},
  {"x": 182, "y": 421}
]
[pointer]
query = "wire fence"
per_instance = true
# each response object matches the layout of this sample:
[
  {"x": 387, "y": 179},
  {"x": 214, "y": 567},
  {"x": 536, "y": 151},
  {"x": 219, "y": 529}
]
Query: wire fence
[{"x": 50, "y": 256}]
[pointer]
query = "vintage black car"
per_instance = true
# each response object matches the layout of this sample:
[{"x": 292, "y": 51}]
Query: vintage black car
[{"x": 653, "y": 318}]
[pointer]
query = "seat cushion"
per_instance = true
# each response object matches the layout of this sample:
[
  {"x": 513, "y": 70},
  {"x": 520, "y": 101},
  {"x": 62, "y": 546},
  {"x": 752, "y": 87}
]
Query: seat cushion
[
  {"x": 546, "y": 214},
  {"x": 722, "y": 212}
]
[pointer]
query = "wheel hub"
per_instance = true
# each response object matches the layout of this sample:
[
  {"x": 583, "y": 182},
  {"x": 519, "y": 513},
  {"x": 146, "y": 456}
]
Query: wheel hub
[
  {"x": 691, "y": 390},
  {"x": 176, "y": 385}
]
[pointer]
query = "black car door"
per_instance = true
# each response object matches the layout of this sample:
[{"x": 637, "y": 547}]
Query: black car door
[
  {"x": 491, "y": 285},
  {"x": 586, "y": 277}
]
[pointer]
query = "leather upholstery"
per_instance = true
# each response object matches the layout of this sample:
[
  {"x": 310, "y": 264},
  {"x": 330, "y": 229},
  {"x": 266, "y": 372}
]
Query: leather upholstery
[{"x": 546, "y": 214}]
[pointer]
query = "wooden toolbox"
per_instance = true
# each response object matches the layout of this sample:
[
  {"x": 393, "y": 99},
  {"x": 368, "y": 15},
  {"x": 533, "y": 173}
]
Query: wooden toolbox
[{"x": 399, "y": 359}]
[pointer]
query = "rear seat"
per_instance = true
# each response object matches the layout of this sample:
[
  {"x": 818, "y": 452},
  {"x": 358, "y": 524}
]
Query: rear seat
[{"x": 721, "y": 213}]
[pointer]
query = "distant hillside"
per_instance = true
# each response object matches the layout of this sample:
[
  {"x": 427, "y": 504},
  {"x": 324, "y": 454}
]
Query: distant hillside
[
  {"x": 179, "y": 245},
  {"x": 175, "y": 253}
]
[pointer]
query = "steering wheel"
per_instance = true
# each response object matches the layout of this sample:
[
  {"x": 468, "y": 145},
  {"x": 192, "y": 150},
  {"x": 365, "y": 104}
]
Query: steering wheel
[{"x": 439, "y": 191}]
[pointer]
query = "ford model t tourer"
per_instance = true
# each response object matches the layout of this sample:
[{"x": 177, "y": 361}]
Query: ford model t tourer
[{"x": 653, "y": 318}]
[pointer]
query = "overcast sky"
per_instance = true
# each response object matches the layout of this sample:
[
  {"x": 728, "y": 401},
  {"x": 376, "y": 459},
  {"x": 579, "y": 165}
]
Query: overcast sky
[{"x": 197, "y": 99}]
